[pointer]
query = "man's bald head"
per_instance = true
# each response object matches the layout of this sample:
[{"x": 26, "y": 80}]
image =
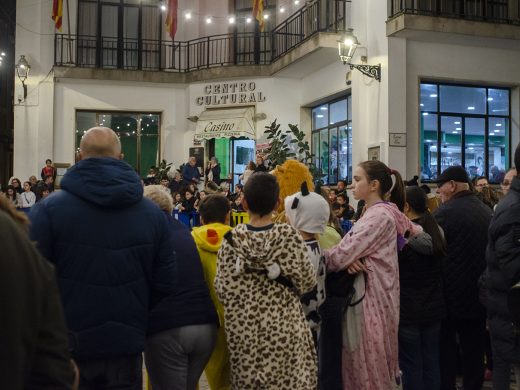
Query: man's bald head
[{"x": 100, "y": 142}]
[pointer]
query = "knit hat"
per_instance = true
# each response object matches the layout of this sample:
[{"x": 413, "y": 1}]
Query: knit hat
[{"x": 307, "y": 211}]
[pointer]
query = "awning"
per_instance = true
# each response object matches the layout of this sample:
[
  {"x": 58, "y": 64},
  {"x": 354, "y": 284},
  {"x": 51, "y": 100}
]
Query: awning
[{"x": 226, "y": 123}]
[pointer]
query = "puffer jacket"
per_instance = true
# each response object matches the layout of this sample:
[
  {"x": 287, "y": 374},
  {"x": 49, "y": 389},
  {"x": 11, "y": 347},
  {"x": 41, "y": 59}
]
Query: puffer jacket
[
  {"x": 502, "y": 272},
  {"x": 113, "y": 255},
  {"x": 465, "y": 221},
  {"x": 422, "y": 299},
  {"x": 190, "y": 302}
]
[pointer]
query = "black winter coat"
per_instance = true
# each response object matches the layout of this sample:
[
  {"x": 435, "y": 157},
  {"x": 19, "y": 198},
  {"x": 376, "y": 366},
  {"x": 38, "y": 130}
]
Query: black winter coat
[
  {"x": 420, "y": 277},
  {"x": 503, "y": 271},
  {"x": 113, "y": 254},
  {"x": 465, "y": 221}
]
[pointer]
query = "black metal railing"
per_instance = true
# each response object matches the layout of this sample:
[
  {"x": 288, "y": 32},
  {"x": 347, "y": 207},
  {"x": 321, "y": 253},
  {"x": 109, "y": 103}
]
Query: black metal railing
[
  {"x": 494, "y": 11},
  {"x": 214, "y": 51}
]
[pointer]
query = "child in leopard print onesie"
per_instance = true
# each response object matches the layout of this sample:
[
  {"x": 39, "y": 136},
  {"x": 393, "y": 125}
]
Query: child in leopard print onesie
[{"x": 263, "y": 269}]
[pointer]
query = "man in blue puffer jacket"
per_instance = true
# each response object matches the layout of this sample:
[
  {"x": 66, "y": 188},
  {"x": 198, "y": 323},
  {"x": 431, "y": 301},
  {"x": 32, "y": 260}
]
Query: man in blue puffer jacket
[{"x": 114, "y": 259}]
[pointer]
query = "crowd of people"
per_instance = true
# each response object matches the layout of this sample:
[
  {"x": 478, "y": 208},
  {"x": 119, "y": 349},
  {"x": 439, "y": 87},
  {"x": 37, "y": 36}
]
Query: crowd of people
[{"x": 407, "y": 292}]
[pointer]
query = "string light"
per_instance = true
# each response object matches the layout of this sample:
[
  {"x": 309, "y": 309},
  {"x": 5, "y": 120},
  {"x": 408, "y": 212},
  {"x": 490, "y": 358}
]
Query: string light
[
  {"x": 231, "y": 19},
  {"x": 163, "y": 7}
]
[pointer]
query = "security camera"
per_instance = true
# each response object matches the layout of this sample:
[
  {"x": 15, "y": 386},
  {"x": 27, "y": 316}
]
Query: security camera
[{"x": 349, "y": 78}]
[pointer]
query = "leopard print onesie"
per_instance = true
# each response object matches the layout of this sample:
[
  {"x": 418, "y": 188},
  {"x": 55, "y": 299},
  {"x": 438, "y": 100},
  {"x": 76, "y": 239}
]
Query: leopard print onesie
[{"x": 269, "y": 340}]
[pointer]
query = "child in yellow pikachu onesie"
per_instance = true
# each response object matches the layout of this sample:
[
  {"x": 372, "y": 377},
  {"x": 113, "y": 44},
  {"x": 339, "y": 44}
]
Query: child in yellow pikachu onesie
[{"x": 214, "y": 215}]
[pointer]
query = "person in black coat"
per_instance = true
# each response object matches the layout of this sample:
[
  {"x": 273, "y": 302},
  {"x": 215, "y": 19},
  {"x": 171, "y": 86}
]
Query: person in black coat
[
  {"x": 182, "y": 327},
  {"x": 465, "y": 221},
  {"x": 422, "y": 301},
  {"x": 113, "y": 254},
  {"x": 260, "y": 164},
  {"x": 502, "y": 272},
  {"x": 34, "y": 348},
  {"x": 213, "y": 171}
]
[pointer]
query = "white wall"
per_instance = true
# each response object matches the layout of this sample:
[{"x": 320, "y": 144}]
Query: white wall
[
  {"x": 461, "y": 64},
  {"x": 282, "y": 102},
  {"x": 33, "y": 120},
  {"x": 71, "y": 95}
]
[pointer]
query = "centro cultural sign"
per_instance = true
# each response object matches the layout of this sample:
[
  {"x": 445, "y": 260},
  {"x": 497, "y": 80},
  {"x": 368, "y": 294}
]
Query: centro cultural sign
[{"x": 230, "y": 93}]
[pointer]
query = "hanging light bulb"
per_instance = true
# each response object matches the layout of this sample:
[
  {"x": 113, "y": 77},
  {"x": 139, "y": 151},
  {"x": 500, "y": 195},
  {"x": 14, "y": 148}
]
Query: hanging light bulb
[
  {"x": 208, "y": 20},
  {"x": 248, "y": 20},
  {"x": 266, "y": 16},
  {"x": 282, "y": 9},
  {"x": 231, "y": 19},
  {"x": 187, "y": 15},
  {"x": 163, "y": 7}
]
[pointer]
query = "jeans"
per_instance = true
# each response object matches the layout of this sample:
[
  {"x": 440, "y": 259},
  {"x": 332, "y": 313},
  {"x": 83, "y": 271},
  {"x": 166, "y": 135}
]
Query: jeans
[
  {"x": 472, "y": 338},
  {"x": 176, "y": 357},
  {"x": 123, "y": 373},
  {"x": 419, "y": 356},
  {"x": 330, "y": 343}
]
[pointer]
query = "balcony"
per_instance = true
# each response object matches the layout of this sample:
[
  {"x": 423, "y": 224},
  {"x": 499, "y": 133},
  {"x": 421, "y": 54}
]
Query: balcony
[
  {"x": 207, "y": 55},
  {"x": 479, "y": 18}
]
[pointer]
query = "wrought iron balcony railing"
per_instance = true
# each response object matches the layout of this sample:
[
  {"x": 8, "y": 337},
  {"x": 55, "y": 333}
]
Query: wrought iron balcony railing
[
  {"x": 493, "y": 11},
  {"x": 214, "y": 51}
]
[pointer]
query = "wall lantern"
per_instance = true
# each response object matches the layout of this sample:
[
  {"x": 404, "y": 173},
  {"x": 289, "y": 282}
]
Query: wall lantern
[
  {"x": 347, "y": 46},
  {"x": 22, "y": 70}
]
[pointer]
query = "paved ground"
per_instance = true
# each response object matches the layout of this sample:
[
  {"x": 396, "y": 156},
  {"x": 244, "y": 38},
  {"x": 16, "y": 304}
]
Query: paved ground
[{"x": 203, "y": 385}]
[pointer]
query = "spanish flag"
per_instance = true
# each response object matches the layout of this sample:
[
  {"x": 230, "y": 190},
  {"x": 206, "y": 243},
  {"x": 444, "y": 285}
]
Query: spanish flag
[
  {"x": 57, "y": 13},
  {"x": 171, "y": 18},
  {"x": 258, "y": 13}
]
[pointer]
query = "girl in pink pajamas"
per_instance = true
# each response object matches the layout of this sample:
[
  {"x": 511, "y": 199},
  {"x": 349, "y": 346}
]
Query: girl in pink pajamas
[{"x": 370, "y": 354}]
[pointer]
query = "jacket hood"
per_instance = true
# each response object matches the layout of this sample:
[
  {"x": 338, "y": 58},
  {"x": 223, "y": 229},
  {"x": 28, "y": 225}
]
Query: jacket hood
[
  {"x": 257, "y": 251},
  {"x": 209, "y": 237},
  {"x": 105, "y": 182},
  {"x": 401, "y": 221}
]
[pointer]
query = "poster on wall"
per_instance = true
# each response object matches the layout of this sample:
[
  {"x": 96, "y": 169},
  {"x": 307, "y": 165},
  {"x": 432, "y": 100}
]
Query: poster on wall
[
  {"x": 198, "y": 153},
  {"x": 374, "y": 153}
]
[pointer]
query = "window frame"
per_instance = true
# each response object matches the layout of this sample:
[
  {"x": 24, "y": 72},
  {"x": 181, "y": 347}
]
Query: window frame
[
  {"x": 139, "y": 115},
  {"x": 463, "y": 116},
  {"x": 337, "y": 125}
]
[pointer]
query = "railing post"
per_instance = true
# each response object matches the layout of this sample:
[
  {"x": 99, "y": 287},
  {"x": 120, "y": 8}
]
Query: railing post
[
  {"x": 207, "y": 52},
  {"x": 273, "y": 45},
  {"x": 55, "y": 51},
  {"x": 188, "y": 57},
  {"x": 318, "y": 14},
  {"x": 235, "y": 47}
]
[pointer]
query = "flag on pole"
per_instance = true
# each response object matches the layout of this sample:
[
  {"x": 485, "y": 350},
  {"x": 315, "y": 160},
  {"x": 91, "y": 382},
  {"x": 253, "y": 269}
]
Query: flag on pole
[
  {"x": 258, "y": 13},
  {"x": 171, "y": 18},
  {"x": 57, "y": 13}
]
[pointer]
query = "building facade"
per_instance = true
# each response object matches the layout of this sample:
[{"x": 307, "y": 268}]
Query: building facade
[{"x": 114, "y": 64}]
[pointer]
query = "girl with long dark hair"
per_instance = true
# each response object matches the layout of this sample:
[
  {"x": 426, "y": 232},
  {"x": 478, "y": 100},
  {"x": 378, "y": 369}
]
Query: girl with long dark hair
[
  {"x": 370, "y": 354},
  {"x": 422, "y": 301}
]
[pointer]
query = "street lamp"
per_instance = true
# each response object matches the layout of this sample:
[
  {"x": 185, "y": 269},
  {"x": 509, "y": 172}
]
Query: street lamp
[
  {"x": 347, "y": 46},
  {"x": 22, "y": 70}
]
